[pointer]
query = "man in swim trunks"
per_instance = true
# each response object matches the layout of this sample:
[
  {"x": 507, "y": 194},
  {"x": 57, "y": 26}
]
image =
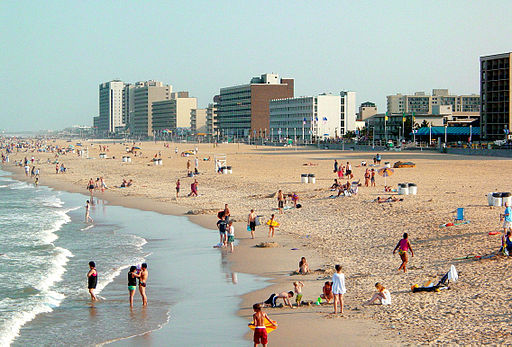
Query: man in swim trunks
[
  {"x": 251, "y": 222},
  {"x": 260, "y": 331},
  {"x": 142, "y": 283},
  {"x": 280, "y": 201}
]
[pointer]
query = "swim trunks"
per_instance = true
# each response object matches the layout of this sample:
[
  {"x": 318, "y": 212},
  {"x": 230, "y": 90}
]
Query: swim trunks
[
  {"x": 507, "y": 224},
  {"x": 231, "y": 238},
  {"x": 142, "y": 284},
  {"x": 260, "y": 336},
  {"x": 132, "y": 287},
  {"x": 271, "y": 300},
  {"x": 280, "y": 204},
  {"x": 252, "y": 226},
  {"x": 298, "y": 299}
]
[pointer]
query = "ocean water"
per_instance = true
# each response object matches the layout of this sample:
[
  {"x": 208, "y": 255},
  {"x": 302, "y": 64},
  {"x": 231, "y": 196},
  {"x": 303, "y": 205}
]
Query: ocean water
[{"x": 45, "y": 247}]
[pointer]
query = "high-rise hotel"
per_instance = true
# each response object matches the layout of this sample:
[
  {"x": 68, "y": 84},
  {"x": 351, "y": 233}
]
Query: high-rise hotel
[{"x": 495, "y": 95}]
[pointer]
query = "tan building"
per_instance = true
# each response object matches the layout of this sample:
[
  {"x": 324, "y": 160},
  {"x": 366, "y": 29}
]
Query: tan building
[
  {"x": 144, "y": 95},
  {"x": 173, "y": 113},
  {"x": 198, "y": 121},
  {"x": 366, "y": 110},
  {"x": 420, "y": 102}
]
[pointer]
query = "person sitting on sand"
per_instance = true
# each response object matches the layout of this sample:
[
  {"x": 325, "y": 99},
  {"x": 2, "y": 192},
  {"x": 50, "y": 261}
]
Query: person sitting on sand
[
  {"x": 506, "y": 243},
  {"x": 382, "y": 297},
  {"x": 403, "y": 246},
  {"x": 303, "y": 266},
  {"x": 335, "y": 185},
  {"x": 327, "y": 292},
  {"x": 297, "y": 287},
  {"x": 272, "y": 300},
  {"x": 295, "y": 199}
]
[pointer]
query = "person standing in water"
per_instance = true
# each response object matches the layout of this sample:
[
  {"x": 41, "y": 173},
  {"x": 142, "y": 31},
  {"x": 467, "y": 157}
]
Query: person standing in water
[
  {"x": 142, "y": 283},
  {"x": 403, "y": 246},
  {"x": 87, "y": 216},
  {"x": 92, "y": 280},
  {"x": 132, "y": 282}
]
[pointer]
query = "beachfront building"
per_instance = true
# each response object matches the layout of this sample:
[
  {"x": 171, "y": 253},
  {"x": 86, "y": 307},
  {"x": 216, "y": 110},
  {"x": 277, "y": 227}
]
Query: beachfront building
[
  {"x": 397, "y": 126},
  {"x": 128, "y": 103},
  {"x": 348, "y": 112},
  {"x": 422, "y": 103},
  {"x": 174, "y": 113},
  {"x": 145, "y": 94},
  {"x": 110, "y": 107},
  {"x": 306, "y": 118},
  {"x": 198, "y": 121},
  {"x": 495, "y": 93},
  {"x": 366, "y": 110},
  {"x": 211, "y": 120},
  {"x": 243, "y": 110}
]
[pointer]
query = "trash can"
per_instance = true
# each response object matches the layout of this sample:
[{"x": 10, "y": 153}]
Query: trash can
[
  {"x": 124, "y": 159},
  {"x": 304, "y": 178},
  {"x": 387, "y": 164},
  {"x": 103, "y": 155},
  {"x": 506, "y": 197},
  {"x": 311, "y": 178},
  {"x": 128, "y": 159},
  {"x": 160, "y": 162},
  {"x": 403, "y": 189},
  {"x": 496, "y": 199},
  {"x": 230, "y": 170},
  {"x": 224, "y": 170},
  {"x": 490, "y": 200},
  {"x": 413, "y": 189},
  {"x": 155, "y": 162}
]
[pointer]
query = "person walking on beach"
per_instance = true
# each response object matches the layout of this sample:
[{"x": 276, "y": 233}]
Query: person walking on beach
[
  {"x": 506, "y": 217},
  {"x": 403, "y": 246},
  {"x": 142, "y": 283},
  {"x": 92, "y": 280},
  {"x": 367, "y": 178},
  {"x": 178, "y": 184},
  {"x": 87, "y": 214},
  {"x": 349, "y": 171},
  {"x": 335, "y": 166},
  {"x": 338, "y": 288},
  {"x": 280, "y": 201},
  {"x": 231, "y": 236},
  {"x": 251, "y": 223},
  {"x": 372, "y": 179},
  {"x": 193, "y": 189},
  {"x": 260, "y": 331},
  {"x": 132, "y": 282}
]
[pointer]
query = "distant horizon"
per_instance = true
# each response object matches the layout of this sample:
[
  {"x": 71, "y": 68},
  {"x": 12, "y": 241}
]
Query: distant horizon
[{"x": 57, "y": 56}]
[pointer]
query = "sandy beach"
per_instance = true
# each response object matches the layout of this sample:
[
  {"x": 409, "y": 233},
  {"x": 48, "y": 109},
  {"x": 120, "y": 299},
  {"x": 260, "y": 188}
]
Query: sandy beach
[{"x": 353, "y": 231}]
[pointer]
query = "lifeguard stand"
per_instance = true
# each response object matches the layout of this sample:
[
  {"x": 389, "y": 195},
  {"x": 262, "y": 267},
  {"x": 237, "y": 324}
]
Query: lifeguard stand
[{"x": 221, "y": 160}]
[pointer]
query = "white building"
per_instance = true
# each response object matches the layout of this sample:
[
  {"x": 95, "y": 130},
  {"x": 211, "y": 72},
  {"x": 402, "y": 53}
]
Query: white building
[
  {"x": 111, "y": 106},
  {"x": 306, "y": 118},
  {"x": 348, "y": 112}
]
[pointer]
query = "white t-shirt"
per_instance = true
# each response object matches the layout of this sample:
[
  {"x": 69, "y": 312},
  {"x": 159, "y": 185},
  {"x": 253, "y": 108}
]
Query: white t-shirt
[
  {"x": 338, "y": 283},
  {"x": 387, "y": 297},
  {"x": 231, "y": 231}
]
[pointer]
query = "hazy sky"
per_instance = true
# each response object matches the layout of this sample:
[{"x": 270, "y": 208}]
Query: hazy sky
[{"x": 53, "y": 54}]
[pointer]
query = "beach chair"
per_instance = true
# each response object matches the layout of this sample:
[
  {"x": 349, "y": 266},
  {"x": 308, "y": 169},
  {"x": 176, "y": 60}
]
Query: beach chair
[{"x": 460, "y": 214}]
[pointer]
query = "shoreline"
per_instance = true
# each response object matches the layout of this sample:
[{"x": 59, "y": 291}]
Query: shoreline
[{"x": 313, "y": 321}]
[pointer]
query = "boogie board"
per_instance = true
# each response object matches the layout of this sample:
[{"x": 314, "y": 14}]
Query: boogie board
[
  {"x": 268, "y": 326},
  {"x": 273, "y": 223}
]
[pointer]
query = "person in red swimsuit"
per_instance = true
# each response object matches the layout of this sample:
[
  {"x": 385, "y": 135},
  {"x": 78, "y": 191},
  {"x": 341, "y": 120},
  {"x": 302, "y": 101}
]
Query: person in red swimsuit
[{"x": 260, "y": 332}]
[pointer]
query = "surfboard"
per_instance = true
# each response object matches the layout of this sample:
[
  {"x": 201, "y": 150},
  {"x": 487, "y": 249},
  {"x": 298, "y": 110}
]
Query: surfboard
[{"x": 268, "y": 326}]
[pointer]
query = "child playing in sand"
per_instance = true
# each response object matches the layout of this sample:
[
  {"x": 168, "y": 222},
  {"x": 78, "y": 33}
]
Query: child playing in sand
[
  {"x": 327, "y": 292},
  {"x": 272, "y": 300},
  {"x": 271, "y": 225},
  {"x": 297, "y": 286},
  {"x": 403, "y": 246},
  {"x": 231, "y": 236},
  {"x": 338, "y": 288},
  {"x": 295, "y": 199},
  {"x": 260, "y": 332},
  {"x": 383, "y": 296}
]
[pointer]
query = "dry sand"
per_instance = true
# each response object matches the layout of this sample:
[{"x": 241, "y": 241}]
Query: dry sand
[{"x": 353, "y": 231}]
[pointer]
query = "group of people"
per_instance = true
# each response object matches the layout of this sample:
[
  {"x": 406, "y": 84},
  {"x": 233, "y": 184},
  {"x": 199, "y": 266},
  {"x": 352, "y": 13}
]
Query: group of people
[
  {"x": 226, "y": 229},
  {"x": 342, "y": 170},
  {"x": 135, "y": 273}
]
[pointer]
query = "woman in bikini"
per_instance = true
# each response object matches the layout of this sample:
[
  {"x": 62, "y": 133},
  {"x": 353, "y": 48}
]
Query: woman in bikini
[{"x": 403, "y": 246}]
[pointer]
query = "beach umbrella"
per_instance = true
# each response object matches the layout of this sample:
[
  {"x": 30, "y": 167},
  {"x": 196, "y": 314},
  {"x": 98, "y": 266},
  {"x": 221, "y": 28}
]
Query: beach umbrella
[
  {"x": 136, "y": 147},
  {"x": 385, "y": 172}
]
